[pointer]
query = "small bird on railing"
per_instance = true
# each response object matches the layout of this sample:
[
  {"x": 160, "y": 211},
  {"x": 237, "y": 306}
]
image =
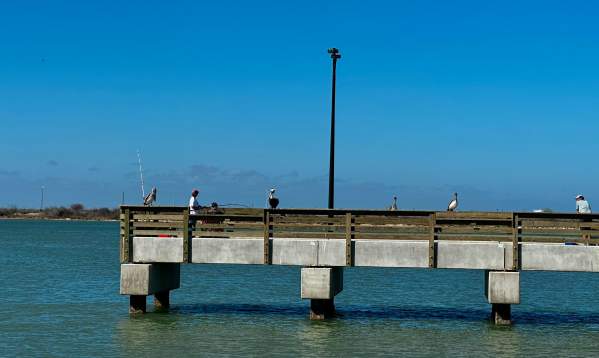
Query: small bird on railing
[
  {"x": 453, "y": 204},
  {"x": 150, "y": 198},
  {"x": 393, "y": 206},
  {"x": 273, "y": 201}
]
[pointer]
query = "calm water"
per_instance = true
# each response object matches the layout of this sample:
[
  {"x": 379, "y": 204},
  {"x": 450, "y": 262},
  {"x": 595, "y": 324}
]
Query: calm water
[{"x": 59, "y": 297}]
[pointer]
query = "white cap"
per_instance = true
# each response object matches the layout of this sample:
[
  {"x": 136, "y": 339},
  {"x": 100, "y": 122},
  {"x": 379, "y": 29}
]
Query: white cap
[{"x": 579, "y": 196}]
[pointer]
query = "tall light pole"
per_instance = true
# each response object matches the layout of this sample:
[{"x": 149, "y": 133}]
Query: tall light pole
[
  {"x": 335, "y": 55},
  {"x": 42, "y": 201}
]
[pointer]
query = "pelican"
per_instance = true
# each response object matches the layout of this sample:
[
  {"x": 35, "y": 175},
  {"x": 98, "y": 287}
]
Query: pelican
[
  {"x": 273, "y": 201},
  {"x": 393, "y": 206},
  {"x": 150, "y": 198},
  {"x": 453, "y": 204}
]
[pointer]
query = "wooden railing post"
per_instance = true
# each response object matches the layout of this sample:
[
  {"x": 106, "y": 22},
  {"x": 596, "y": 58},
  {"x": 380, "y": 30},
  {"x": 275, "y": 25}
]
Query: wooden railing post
[
  {"x": 186, "y": 237},
  {"x": 432, "y": 254},
  {"x": 349, "y": 235},
  {"x": 267, "y": 235},
  {"x": 128, "y": 240},
  {"x": 517, "y": 231}
]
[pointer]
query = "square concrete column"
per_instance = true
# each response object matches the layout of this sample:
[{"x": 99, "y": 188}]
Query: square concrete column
[
  {"x": 502, "y": 289},
  {"x": 141, "y": 280},
  {"x": 320, "y": 285}
]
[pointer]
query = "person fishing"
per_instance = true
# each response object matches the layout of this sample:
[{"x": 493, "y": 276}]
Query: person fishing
[
  {"x": 194, "y": 206},
  {"x": 582, "y": 206}
]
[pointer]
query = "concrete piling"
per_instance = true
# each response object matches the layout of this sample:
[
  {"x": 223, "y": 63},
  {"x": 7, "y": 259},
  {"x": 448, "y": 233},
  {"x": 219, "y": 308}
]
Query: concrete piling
[
  {"x": 502, "y": 289},
  {"x": 501, "y": 314},
  {"x": 162, "y": 301},
  {"x": 320, "y": 285},
  {"x": 137, "y": 304},
  {"x": 141, "y": 280}
]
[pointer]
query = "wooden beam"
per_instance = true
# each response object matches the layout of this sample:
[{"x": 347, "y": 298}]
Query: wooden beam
[
  {"x": 432, "y": 254},
  {"x": 517, "y": 231},
  {"x": 186, "y": 237},
  {"x": 127, "y": 237},
  {"x": 267, "y": 236},
  {"x": 349, "y": 235}
]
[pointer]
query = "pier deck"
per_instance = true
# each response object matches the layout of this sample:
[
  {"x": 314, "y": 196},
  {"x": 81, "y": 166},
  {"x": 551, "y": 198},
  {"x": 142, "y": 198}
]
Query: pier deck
[{"x": 329, "y": 240}]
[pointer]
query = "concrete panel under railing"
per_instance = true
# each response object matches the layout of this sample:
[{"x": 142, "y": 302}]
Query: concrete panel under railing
[{"x": 374, "y": 253}]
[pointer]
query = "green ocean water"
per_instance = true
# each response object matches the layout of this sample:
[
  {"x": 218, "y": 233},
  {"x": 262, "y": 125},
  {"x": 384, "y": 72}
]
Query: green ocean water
[{"x": 59, "y": 298}]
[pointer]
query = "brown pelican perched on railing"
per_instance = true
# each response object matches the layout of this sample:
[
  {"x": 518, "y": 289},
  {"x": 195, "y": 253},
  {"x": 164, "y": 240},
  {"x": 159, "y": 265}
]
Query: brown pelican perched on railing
[
  {"x": 453, "y": 204},
  {"x": 150, "y": 198},
  {"x": 393, "y": 206},
  {"x": 273, "y": 201}
]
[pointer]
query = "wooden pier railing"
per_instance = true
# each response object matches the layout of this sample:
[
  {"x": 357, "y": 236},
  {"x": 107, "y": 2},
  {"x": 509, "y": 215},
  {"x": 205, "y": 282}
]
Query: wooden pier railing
[{"x": 348, "y": 225}]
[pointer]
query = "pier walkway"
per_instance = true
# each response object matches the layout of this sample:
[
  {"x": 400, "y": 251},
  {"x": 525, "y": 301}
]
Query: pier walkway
[{"x": 156, "y": 240}]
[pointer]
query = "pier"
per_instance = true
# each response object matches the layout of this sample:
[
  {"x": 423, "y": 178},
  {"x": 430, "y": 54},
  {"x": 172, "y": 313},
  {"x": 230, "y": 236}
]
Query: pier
[{"x": 155, "y": 241}]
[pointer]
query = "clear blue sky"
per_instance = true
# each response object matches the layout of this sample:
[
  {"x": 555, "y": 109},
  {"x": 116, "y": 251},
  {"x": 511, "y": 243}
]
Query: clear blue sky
[{"x": 499, "y": 102}]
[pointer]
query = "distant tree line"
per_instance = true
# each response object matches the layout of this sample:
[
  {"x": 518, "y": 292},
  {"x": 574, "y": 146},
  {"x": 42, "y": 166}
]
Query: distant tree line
[{"x": 75, "y": 211}]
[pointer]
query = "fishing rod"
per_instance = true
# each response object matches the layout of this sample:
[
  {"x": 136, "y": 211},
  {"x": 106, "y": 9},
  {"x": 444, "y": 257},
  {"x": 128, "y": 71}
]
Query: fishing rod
[
  {"x": 141, "y": 175},
  {"x": 240, "y": 205}
]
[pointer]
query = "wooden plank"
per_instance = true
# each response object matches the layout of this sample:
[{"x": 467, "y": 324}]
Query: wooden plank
[
  {"x": 152, "y": 224},
  {"x": 239, "y": 234},
  {"x": 308, "y": 220},
  {"x": 157, "y": 208},
  {"x": 444, "y": 237},
  {"x": 308, "y": 235},
  {"x": 384, "y": 229},
  {"x": 374, "y": 234},
  {"x": 394, "y": 236},
  {"x": 557, "y": 216},
  {"x": 201, "y": 229},
  {"x": 302, "y": 226},
  {"x": 541, "y": 230},
  {"x": 477, "y": 230},
  {"x": 222, "y": 217},
  {"x": 406, "y": 237},
  {"x": 361, "y": 220},
  {"x": 167, "y": 217},
  {"x": 244, "y": 212},
  {"x": 551, "y": 240},
  {"x": 559, "y": 224},
  {"x": 229, "y": 225},
  {"x": 469, "y": 215},
  {"x": 169, "y": 233}
]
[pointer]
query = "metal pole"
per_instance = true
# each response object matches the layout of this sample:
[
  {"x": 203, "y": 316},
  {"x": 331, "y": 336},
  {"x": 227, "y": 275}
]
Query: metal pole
[
  {"x": 334, "y": 55},
  {"x": 42, "y": 201}
]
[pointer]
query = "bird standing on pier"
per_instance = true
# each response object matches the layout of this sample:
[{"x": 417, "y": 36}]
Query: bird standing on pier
[
  {"x": 453, "y": 204},
  {"x": 273, "y": 201},
  {"x": 150, "y": 198},
  {"x": 393, "y": 206}
]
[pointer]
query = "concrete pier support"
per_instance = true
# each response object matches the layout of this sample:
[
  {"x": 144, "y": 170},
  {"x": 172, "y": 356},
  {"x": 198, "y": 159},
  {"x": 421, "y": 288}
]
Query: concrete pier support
[
  {"x": 141, "y": 280},
  {"x": 502, "y": 289},
  {"x": 320, "y": 285},
  {"x": 162, "y": 300},
  {"x": 137, "y": 304}
]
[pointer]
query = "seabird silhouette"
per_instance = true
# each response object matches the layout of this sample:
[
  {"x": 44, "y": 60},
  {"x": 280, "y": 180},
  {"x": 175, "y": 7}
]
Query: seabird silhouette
[
  {"x": 273, "y": 201},
  {"x": 150, "y": 198},
  {"x": 393, "y": 206},
  {"x": 453, "y": 204}
]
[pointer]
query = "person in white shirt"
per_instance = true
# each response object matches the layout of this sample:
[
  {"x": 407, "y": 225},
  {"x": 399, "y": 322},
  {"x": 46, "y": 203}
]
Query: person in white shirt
[
  {"x": 194, "y": 206},
  {"x": 582, "y": 206}
]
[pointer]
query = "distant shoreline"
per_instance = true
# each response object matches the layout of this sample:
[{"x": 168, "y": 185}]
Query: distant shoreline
[
  {"x": 37, "y": 218},
  {"x": 75, "y": 212}
]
